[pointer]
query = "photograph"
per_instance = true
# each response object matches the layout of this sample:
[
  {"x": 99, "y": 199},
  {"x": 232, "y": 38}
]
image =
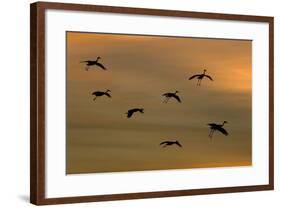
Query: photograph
[
  {"x": 139, "y": 102},
  {"x": 173, "y": 102}
]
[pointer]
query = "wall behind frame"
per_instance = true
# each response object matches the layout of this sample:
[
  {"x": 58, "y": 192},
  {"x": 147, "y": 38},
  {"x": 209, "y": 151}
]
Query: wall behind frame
[{"x": 14, "y": 110}]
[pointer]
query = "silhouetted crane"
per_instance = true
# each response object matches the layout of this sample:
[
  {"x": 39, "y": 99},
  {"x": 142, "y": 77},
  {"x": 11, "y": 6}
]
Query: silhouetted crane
[
  {"x": 132, "y": 111},
  {"x": 171, "y": 95},
  {"x": 101, "y": 93},
  {"x": 200, "y": 77},
  {"x": 92, "y": 63},
  {"x": 168, "y": 143},
  {"x": 218, "y": 127}
]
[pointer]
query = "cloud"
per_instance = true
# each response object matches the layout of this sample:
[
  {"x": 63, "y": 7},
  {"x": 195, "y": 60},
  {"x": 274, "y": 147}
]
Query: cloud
[{"x": 140, "y": 70}]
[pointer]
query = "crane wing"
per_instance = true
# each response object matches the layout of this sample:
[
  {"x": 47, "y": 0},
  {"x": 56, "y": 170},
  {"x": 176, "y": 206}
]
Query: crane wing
[
  {"x": 212, "y": 124},
  {"x": 129, "y": 113},
  {"x": 222, "y": 130},
  {"x": 193, "y": 77},
  {"x": 100, "y": 65},
  {"x": 86, "y": 61},
  {"x": 177, "y": 97},
  {"x": 165, "y": 142},
  {"x": 209, "y": 77}
]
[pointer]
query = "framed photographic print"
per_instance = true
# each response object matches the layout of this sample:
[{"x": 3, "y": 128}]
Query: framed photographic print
[{"x": 130, "y": 103}]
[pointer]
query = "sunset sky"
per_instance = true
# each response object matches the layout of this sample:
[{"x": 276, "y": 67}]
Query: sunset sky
[{"x": 100, "y": 138}]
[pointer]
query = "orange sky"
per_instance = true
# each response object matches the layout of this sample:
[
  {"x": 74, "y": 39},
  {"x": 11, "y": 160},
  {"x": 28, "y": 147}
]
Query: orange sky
[{"x": 140, "y": 69}]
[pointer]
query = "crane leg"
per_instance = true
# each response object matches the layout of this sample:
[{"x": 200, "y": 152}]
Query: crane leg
[
  {"x": 211, "y": 134},
  {"x": 94, "y": 98}
]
